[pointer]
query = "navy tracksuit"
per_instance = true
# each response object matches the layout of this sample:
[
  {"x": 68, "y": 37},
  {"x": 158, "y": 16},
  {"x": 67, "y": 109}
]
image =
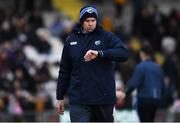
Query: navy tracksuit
[
  {"x": 90, "y": 83},
  {"x": 148, "y": 78}
]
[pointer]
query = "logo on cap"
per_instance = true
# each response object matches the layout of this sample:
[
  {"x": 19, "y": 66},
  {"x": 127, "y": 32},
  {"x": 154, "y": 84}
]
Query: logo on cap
[{"x": 90, "y": 10}]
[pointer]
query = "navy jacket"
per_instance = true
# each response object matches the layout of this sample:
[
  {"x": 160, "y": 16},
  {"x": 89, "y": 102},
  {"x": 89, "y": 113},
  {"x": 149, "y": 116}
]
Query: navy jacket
[
  {"x": 148, "y": 78},
  {"x": 89, "y": 82}
]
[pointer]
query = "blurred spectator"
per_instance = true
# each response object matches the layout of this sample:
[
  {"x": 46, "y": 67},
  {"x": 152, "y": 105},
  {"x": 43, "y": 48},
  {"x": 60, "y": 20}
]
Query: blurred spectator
[
  {"x": 35, "y": 20},
  {"x": 57, "y": 27},
  {"x": 170, "y": 71},
  {"x": 107, "y": 24},
  {"x": 173, "y": 28},
  {"x": 42, "y": 73},
  {"x": 160, "y": 24},
  {"x": 143, "y": 25},
  {"x": 42, "y": 43},
  {"x": 7, "y": 33},
  {"x": 119, "y": 4},
  {"x": 137, "y": 4},
  {"x": 2, "y": 16}
]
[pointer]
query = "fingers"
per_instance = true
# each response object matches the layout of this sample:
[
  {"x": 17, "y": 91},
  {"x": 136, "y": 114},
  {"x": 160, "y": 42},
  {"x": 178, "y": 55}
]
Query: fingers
[
  {"x": 60, "y": 108},
  {"x": 90, "y": 55},
  {"x": 120, "y": 95},
  {"x": 60, "y": 111}
]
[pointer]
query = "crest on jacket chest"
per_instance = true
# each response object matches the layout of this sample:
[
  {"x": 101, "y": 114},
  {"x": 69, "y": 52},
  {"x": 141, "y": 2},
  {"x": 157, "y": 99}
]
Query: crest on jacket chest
[{"x": 97, "y": 42}]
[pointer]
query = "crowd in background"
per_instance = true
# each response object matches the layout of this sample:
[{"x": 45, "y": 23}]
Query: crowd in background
[
  {"x": 30, "y": 52},
  {"x": 150, "y": 26}
]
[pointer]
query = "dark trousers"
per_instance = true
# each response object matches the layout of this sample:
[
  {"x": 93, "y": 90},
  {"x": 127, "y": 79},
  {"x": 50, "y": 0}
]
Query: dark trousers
[
  {"x": 91, "y": 113},
  {"x": 147, "y": 108}
]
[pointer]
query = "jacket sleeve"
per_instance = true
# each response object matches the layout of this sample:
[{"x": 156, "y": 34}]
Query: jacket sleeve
[
  {"x": 64, "y": 73},
  {"x": 115, "y": 51},
  {"x": 136, "y": 79}
]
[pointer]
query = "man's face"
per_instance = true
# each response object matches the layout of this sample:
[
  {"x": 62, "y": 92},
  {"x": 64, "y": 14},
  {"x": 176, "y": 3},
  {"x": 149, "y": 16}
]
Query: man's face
[{"x": 89, "y": 24}]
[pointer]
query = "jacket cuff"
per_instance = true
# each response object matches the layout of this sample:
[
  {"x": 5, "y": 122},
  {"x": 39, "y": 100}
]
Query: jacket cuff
[{"x": 59, "y": 97}]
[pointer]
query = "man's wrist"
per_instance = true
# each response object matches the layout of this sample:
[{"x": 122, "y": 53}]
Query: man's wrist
[{"x": 100, "y": 53}]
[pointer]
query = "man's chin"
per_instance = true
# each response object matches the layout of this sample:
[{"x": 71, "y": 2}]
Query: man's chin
[{"x": 90, "y": 30}]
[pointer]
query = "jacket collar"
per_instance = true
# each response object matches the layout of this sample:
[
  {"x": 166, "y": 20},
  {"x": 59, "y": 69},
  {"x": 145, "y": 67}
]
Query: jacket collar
[{"x": 78, "y": 29}]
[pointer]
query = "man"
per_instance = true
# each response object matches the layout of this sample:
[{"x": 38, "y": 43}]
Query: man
[
  {"x": 148, "y": 78},
  {"x": 87, "y": 70}
]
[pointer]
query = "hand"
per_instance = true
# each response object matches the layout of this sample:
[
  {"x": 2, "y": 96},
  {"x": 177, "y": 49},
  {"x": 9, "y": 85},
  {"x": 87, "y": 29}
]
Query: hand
[
  {"x": 120, "y": 95},
  {"x": 60, "y": 106},
  {"x": 90, "y": 55}
]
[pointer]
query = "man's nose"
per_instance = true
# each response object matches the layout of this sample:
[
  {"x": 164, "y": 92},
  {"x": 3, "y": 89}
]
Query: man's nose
[{"x": 90, "y": 23}]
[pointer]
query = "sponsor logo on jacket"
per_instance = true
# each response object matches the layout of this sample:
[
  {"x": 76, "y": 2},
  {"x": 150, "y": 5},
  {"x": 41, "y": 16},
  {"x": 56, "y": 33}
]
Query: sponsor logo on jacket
[{"x": 73, "y": 43}]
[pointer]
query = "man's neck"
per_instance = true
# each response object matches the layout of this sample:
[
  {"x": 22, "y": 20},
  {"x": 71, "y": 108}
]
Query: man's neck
[{"x": 146, "y": 58}]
